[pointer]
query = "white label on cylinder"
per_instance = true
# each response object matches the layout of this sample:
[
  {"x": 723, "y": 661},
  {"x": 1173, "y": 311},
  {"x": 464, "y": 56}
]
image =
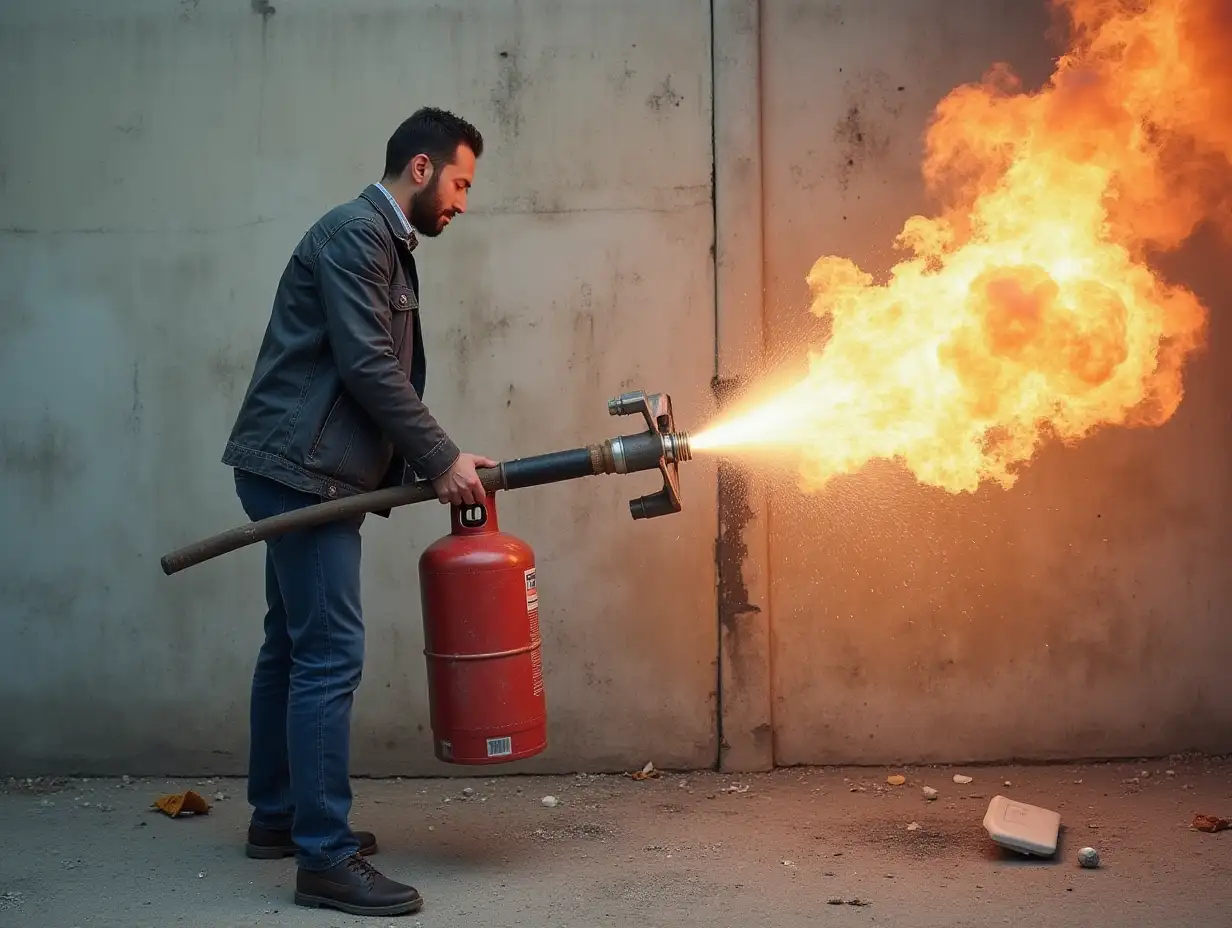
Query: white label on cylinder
[{"x": 532, "y": 592}]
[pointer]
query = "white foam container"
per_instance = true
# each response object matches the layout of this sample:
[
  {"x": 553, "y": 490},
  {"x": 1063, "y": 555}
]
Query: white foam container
[{"x": 1023, "y": 828}]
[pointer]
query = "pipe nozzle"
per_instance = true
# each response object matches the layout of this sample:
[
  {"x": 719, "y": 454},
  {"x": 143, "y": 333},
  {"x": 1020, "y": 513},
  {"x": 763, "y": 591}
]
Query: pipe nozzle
[
  {"x": 676, "y": 447},
  {"x": 629, "y": 454}
]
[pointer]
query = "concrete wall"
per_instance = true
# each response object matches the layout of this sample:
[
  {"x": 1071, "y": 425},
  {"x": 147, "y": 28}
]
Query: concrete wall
[
  {"x": 1086, "y": 612},
  {"x": 158, "y": 161}
]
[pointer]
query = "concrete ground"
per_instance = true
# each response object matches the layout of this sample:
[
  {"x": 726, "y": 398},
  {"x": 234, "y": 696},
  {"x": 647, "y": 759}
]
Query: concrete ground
[{"x": 790, "y": 848}]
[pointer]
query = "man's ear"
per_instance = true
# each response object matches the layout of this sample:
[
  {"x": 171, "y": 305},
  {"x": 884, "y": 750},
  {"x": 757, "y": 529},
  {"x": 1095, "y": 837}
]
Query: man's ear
[{"x": 420, "y": 170}]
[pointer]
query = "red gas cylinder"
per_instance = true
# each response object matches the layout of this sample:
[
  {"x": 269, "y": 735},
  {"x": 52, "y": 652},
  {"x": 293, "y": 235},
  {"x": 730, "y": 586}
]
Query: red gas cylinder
[{"x": 481, "y": 639}]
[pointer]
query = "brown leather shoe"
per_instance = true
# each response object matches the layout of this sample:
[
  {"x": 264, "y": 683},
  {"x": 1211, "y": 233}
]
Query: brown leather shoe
[
  {"x": 357, "y": 888},
  {"x": 270, "y": 844}
]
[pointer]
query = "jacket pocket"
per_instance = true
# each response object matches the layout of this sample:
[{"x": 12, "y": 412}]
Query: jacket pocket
[
  {"x": 402, "y": 304},
  {"x": 349, "y": 446}
]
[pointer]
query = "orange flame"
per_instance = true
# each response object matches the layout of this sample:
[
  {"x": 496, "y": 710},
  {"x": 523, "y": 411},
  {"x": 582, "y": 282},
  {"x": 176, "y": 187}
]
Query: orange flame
[{"x": 1028, "y": 309}]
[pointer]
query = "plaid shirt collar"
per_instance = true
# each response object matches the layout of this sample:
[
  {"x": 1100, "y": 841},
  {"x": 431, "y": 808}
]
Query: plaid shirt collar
[{"x": 411, "y": 238}]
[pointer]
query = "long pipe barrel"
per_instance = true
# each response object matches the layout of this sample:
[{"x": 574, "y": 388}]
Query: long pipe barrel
[{"x": 626, "y": 454}]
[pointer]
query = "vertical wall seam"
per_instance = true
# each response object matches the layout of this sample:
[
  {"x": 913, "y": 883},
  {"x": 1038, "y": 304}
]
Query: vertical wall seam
[
  {"x": 768, "y": 567},
  {"x": 714, "y": 280}
]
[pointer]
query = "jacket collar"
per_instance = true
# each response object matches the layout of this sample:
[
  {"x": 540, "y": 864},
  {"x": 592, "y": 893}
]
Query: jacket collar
[{"x": 385, "y": 204}]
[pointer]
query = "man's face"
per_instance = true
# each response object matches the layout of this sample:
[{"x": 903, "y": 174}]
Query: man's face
[{"x": 444, "y": 196}]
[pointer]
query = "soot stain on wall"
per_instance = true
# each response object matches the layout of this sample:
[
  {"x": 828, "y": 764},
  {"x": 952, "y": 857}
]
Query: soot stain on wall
[
  {"x": 48, "y": 458},
  {"x": 506, "y": 95},
  {"x": 860, "y": 134},
  {"x": 664, "y": 96}
]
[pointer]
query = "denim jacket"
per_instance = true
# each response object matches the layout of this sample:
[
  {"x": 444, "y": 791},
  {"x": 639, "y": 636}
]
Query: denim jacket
[{"x": 334, "y": 406}]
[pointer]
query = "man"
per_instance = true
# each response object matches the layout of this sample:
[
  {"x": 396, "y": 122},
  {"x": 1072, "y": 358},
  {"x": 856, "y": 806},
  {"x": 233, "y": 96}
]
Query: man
[{"x": 334, "y": 408}]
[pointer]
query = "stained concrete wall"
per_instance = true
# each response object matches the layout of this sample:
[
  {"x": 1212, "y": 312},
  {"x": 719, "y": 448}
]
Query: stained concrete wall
[
  {"x": 1086, "y": 612},
  {"x": 158, "y": 161}
]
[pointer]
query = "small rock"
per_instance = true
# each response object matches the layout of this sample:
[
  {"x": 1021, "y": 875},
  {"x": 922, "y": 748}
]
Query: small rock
[
  {"x": 201, "y": 875},
  {"x": 961, "y": 779},
  {"x": 896, "y": 780},
  {"x": 126, "y": 779},
  {"x": 468, "y": 792},
  {"x": 1088, "y": 858},
  {"x": 550, "y": 801},
  {"x": 220, "y": 796},
  {"x": 1170, "y": 773},
  {"x": 914, "y": 826},
  {"x": 929, "y": 793},
  {"x": 1008, "y": 783}
]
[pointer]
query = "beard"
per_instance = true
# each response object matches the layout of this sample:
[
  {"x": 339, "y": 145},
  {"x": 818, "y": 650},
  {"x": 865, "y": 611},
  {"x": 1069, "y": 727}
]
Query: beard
[{"x": 427, "y": 215}]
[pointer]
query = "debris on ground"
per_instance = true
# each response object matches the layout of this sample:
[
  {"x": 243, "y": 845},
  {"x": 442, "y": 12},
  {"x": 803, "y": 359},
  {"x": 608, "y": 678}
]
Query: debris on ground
[
  {"x": 896, "y": 780},
  {"x": 838, "y": 901},
  {"x": 1088, "y": 858},
  {"x": 1023, "y": 828},
  {"x": 646, "y": 773},
  {"x": 930, "y": 794},
  {"x": 189, "y": 802},
  {"x": 1211, "y": 823},
  {"x": 736, "y": 788},
  {"x": 961, "y": 779}
]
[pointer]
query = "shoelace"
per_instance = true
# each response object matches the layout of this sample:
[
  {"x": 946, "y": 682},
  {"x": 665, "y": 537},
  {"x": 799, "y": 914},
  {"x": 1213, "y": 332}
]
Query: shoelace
[{"x": 360, "y": 867}]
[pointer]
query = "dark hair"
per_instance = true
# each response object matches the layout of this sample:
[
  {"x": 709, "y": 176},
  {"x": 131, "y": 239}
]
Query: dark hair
[{"x": 432, "y": 132}]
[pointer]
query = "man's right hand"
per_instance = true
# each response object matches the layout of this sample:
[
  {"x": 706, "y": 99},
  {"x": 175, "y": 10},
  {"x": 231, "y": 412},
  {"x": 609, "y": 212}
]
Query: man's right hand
[{"x": 460, "y": 484}]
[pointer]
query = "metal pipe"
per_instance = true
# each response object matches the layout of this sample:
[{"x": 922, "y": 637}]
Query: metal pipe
[
  {"x": 627, "y": 454},
  {"x": 550, "y": 468}
]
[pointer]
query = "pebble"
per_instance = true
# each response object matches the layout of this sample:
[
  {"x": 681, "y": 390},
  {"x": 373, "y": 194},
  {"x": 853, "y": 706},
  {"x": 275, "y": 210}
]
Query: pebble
[
  {"x": 1088, "y": 858},
  {"x": 550, "y": 801},
  {"x": 929, "y": 793},
  {"x": 468, "y": 792},
  {"x": 914, "y": 826},
  {"x": 897, "y": 780},
  {"x": 961, "y": 779}
]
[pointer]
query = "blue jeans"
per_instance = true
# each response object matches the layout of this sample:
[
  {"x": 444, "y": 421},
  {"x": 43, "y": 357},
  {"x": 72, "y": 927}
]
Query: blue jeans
[{"x": 307, "y": 671}]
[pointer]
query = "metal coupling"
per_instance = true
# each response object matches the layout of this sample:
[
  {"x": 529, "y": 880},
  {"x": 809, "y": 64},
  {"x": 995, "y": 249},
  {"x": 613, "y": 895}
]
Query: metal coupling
[{"x": 629, "y": 454}]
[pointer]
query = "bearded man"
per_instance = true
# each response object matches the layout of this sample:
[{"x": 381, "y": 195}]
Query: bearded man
[{"x": 334, "y": 408}]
